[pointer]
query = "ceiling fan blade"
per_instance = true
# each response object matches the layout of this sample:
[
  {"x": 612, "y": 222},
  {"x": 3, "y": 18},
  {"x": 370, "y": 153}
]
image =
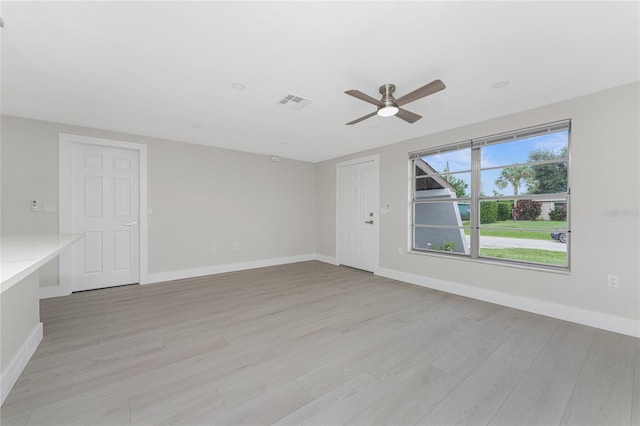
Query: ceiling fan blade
[
  {"x": 357, "y": 120},
  {"x": 426, "y": 90},
  {"x": 358, "y": 94},
  {"x": 408, "y": 116}
]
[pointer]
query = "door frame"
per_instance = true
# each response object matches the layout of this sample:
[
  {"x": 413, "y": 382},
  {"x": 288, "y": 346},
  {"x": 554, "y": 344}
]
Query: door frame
[
  {"x": 66, "y": 142},
  {"x": 376, "y": 191}
]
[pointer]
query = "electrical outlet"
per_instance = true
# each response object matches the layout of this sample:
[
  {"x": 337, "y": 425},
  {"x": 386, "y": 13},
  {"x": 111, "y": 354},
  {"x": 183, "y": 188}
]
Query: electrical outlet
[
  {"x": 214, "y": 248},
  {"x": 613, "y": 281},
  {"x": 237, "y": 246}
]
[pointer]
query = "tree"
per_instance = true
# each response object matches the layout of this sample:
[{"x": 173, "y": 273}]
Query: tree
[
  {"x": 548, "y": 178},
  {"x": 514, "y": 176},
  {"x": 458, "y": 184}
]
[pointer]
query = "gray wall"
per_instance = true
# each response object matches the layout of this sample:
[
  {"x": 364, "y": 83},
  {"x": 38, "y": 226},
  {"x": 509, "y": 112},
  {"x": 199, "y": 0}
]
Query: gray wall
[
  {"x": 200, "y": 196},
  {"x": 604, "y": 154}
]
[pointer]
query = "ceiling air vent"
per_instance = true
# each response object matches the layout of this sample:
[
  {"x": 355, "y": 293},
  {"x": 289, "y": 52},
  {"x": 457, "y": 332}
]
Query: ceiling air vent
[{"x": 294, "y": 101}]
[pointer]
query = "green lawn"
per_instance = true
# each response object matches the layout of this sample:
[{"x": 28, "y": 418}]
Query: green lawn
[
  {"x": 545, "y": 257},
  {"x": 529, "y": 229}
]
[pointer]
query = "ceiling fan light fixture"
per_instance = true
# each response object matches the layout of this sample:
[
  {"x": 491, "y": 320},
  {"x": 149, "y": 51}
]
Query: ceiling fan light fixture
[{"x": 388, "y": 111}]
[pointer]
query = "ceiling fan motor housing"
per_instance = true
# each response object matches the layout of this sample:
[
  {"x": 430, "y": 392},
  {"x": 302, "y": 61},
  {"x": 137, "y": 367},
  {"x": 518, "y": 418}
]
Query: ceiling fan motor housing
[{"x": 388, "y": 100}]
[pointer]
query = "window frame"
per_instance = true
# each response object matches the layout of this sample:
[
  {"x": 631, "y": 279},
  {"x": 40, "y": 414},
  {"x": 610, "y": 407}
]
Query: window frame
[{"x": 475, "y": 198}]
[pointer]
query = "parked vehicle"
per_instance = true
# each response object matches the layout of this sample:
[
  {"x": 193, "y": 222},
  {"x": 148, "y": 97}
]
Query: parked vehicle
[{"x": 560, "y": 235}]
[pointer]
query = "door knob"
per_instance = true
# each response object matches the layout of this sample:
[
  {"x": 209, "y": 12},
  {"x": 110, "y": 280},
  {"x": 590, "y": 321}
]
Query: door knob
[
  {"x": 131, "y": 224},
  {"x": 370, "y": 222}
]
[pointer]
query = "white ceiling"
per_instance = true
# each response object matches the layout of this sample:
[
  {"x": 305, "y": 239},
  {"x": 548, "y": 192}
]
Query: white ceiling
[{"x": 165, "y": 69}]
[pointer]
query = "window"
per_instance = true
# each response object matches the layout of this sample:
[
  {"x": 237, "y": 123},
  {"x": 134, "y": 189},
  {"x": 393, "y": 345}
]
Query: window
[{"x": 504, "y": 197}]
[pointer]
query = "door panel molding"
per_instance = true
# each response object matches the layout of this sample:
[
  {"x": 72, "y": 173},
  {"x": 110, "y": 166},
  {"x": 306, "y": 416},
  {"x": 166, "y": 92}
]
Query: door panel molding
[
  {"x": 375, "y": 193},
  {"x": 66, "y": 143}
]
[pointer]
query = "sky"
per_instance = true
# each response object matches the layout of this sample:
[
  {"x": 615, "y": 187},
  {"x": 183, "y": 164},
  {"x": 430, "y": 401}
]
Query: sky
[{"x": 503, "y": 154}]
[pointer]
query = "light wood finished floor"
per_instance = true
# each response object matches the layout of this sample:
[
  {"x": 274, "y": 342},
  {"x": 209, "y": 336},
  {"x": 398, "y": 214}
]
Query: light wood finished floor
[{"x": 311, "y": 343}]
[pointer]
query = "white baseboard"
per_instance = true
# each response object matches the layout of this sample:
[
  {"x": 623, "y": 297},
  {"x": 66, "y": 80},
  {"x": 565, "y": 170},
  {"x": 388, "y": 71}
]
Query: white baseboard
[
  {"x": 595, "y": 319},
  {"x": 327, "y": 259},
  {"x": 10, "y": 376},
  {"x": 221, "y": 269}
]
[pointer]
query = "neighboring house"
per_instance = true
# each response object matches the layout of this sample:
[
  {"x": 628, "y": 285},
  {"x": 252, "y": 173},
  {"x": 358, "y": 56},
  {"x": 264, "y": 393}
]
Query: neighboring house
[
  {"x": 440, "y": 214},
  {"x": 548, "y": 206}
]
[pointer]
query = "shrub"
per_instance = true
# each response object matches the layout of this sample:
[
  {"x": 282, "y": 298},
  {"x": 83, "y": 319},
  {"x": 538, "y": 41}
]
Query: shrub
[
  {"x": 488, "y": 211},
  {"x": 504, "y": 210},
  {"x": 527, "y": 210},
  {"x": 559, "y": 213},
  {"x": 447, "y": 246}
]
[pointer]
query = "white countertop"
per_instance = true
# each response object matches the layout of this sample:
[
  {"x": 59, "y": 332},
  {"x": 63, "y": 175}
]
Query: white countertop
[{"x": 21, "y": 255}]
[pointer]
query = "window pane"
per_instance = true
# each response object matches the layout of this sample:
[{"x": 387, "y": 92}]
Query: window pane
[
  {"x": 552, "y": 146},
  {"x": 540, "y": 247},
  {"x": 451, "y": 240},
  {"x": 519, "y": 180},
  {"x": 454, "y": 185},
  {"x": 451, "y": 161},
  {"x": 548, "y": 178},
  {"x": 534, "y": 239},
  {"x": 439, "y": 226}
]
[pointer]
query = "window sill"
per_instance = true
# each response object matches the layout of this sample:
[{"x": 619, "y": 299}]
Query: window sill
[{"x": 560, "y": 270}]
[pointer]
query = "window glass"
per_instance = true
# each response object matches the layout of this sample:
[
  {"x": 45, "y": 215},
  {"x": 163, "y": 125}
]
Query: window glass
[
  {"x": 521, "y": 196},
  {"x": 443, "y": 175},
  {"x": 458, "y": 160},
  {"x": 537, "y": 148},
  {"x": 449, "y": 240}
]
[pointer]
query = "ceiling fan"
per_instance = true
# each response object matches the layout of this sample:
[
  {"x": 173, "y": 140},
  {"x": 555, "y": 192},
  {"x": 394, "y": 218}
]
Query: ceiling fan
[{"x": 388, "y": 105}]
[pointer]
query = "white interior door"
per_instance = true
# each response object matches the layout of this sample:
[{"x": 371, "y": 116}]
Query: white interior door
[
  {"x": 358, "y": 215},
  {"x": 105, "y": 207}
]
